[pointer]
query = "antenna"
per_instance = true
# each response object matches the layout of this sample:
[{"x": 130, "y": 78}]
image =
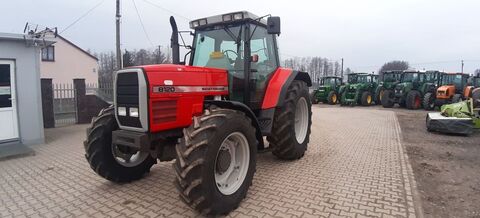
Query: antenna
[{"x": 36, "y": 35}]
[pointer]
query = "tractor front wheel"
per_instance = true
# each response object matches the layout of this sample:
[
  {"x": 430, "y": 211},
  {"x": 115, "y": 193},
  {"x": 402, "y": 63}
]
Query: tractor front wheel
[
  {"x": 378, "y": 96},
  {"x": 291, "y": 124},
  {"x": 414, "y": 100},
  {"x": 429, "y": 101},
  {"x": 216, "y": 160},
  {"x": 332, "y": 98},
  {"x": 114, "y": 162},
  {"x": 366, "y": 99},
  {"x": 388, "y": 99}
]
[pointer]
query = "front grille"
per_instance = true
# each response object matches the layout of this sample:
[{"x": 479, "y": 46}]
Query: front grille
[
  {"x": 127, "y": 95},
  {"x": 164, "y": 111}
]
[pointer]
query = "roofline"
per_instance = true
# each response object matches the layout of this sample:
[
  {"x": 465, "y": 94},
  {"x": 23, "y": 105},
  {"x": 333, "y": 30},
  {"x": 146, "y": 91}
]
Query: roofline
[{"x": 72, "y": 44}]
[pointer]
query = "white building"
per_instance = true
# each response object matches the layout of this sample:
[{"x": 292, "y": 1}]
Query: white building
[{"x": 65, "y": 61}]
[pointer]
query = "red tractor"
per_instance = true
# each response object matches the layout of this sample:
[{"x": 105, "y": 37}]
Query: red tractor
[{"x": 210, "y": 115}]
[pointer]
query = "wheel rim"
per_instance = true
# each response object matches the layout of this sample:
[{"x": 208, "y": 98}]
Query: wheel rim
[
  {"x": 369, "y": 99},
  {"x": 417, "y": 102},
  {"x": 381, "y": 95},
  {"x": 231, "y": 163},
  {"x": 127, "y": 156},
  {"x": 334, "y": 98},
  {"x": 301, "y": 120}
]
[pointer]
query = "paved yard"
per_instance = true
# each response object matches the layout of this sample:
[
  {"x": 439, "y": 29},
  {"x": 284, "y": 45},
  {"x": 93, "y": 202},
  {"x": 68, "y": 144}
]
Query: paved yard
[{"x": 354, "y": 167}]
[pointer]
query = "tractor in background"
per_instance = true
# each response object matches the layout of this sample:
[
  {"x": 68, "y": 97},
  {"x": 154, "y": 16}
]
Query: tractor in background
[
  {"x": 361, "y": 91},
  {"x": 433, "y": 80},
  {"x": 473, "y": 90},
  {"x": 210, "y": 115},
  {"x": 388, "y": 81},
  {"x": 328, "y": 90},
  {"x": 408, "y": 93},
  {"x": 452, "y": 88}
]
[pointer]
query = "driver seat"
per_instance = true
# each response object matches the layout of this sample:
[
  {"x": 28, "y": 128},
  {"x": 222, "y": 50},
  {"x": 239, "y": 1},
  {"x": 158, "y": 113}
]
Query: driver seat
[{"x": 218, "y": 60}]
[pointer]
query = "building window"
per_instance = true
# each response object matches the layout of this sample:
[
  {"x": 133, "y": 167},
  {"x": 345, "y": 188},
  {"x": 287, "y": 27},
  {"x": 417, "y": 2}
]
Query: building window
[{"x": 48, "y": 53}]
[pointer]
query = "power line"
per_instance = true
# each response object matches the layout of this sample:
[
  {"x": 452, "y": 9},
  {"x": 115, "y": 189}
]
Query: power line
[
  {"x": 169, "y": 11},
  {"x": 83, "y": 15},
  {"x": 141, "y": 22}
]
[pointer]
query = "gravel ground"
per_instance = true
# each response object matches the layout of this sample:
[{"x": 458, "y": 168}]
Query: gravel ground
[{"x": 446, "y": 167}]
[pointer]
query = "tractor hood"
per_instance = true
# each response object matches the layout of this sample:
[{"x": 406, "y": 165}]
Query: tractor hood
[
  {"x": 181, "y": 75},
  {"x": 444, "y": 92}
]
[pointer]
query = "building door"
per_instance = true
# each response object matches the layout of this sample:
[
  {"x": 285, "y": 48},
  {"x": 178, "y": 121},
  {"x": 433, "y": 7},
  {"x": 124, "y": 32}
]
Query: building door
[{"x": 8, "y": 104}]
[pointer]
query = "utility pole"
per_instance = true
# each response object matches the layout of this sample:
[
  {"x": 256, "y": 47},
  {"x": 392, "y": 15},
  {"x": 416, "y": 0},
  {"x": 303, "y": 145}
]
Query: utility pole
[
  {"x": 119, "y": 50},
  {"x": 462, "y": 65},
  {"x": 342, "y": 68}
]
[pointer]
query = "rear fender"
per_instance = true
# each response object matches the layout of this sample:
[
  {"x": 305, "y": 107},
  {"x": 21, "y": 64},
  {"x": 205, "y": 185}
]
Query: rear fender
[
  {"x": 278, "y": 85},
  {"x": 234, "y": 105}
]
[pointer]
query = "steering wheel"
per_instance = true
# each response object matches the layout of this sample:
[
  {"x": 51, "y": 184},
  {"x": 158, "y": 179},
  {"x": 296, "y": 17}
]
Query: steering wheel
[{"x": 226, "y": 53}]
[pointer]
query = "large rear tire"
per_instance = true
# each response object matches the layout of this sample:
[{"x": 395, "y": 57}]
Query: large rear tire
[
  {"x": 429, "y": 101},
  {"x": 414, "y": 100},
  {"x": 388, "y": 99},
  {"x": 113, "y": 162},
  {"x": 291, "y": 124},
  {"x": 216, "y": 161}
]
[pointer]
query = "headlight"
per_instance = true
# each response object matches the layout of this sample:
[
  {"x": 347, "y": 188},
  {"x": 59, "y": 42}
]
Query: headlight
[
  {"x": 122, "y": 111},
  {"x": 133, "y": 112}
]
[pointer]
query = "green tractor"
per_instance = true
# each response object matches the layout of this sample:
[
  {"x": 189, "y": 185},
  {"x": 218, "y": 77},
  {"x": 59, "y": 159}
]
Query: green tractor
[
  {"x": 388, "y": 81},
  {"x": 328, "y": 90},
  {"x": 359, "y": 89},
  {"x": 409, "y": 92}
]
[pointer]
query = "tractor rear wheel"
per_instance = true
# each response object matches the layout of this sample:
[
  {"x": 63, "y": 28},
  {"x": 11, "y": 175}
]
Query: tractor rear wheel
[
  {"x": 332, "y": 98},
  {"x": 366, "y": 99},
  {"x": 388, "y": 99},
  {"x": 114, "y": 162},
  {"x": 216, "y": 161},
  {"x": 414, "y": 100},
  {"x": 291, "y": 124},
  {"x": 429, "y": 101},
  {"x": 456, "y": 98}
]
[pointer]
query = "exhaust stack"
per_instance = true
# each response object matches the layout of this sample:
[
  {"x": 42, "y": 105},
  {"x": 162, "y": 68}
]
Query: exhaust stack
[{"x": 174, "y": 42}]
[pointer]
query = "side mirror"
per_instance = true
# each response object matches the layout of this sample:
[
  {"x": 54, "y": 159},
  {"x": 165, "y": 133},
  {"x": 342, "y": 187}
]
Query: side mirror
[{"x": 273, "y": 25}]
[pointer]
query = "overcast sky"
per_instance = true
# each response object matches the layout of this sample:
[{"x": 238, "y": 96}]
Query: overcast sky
[{"x": 430, "y": 34}]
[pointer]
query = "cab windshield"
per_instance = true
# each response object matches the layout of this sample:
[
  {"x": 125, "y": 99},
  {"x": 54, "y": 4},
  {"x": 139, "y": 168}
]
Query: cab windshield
[
  {"x": 328, "y": 81},
  {"x": 410, "y": 77},
  {"x": 452, "y": 79},
  {"x": 389, "y": 77},
  {"x": 364, "y": 79}
]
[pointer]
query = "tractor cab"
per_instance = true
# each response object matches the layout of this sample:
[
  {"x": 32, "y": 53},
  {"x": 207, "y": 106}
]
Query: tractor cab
[
  {"x": 242, "y": 44},
  {"x": 333, "y": 81},
  {"x": 353, "y": 77},
  {"x": 452, "y": 84}
]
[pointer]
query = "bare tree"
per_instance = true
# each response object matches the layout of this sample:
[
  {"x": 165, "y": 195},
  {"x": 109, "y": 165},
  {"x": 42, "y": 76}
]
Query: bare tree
[{"x": 393, "y": 65}]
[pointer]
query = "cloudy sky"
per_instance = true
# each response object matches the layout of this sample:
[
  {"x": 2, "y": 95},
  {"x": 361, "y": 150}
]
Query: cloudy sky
[{"x": 430, "y": 34}]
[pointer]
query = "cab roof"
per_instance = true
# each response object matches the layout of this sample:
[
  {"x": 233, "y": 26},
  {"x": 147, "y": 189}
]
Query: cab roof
[{"x": 222, "y": 19}]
